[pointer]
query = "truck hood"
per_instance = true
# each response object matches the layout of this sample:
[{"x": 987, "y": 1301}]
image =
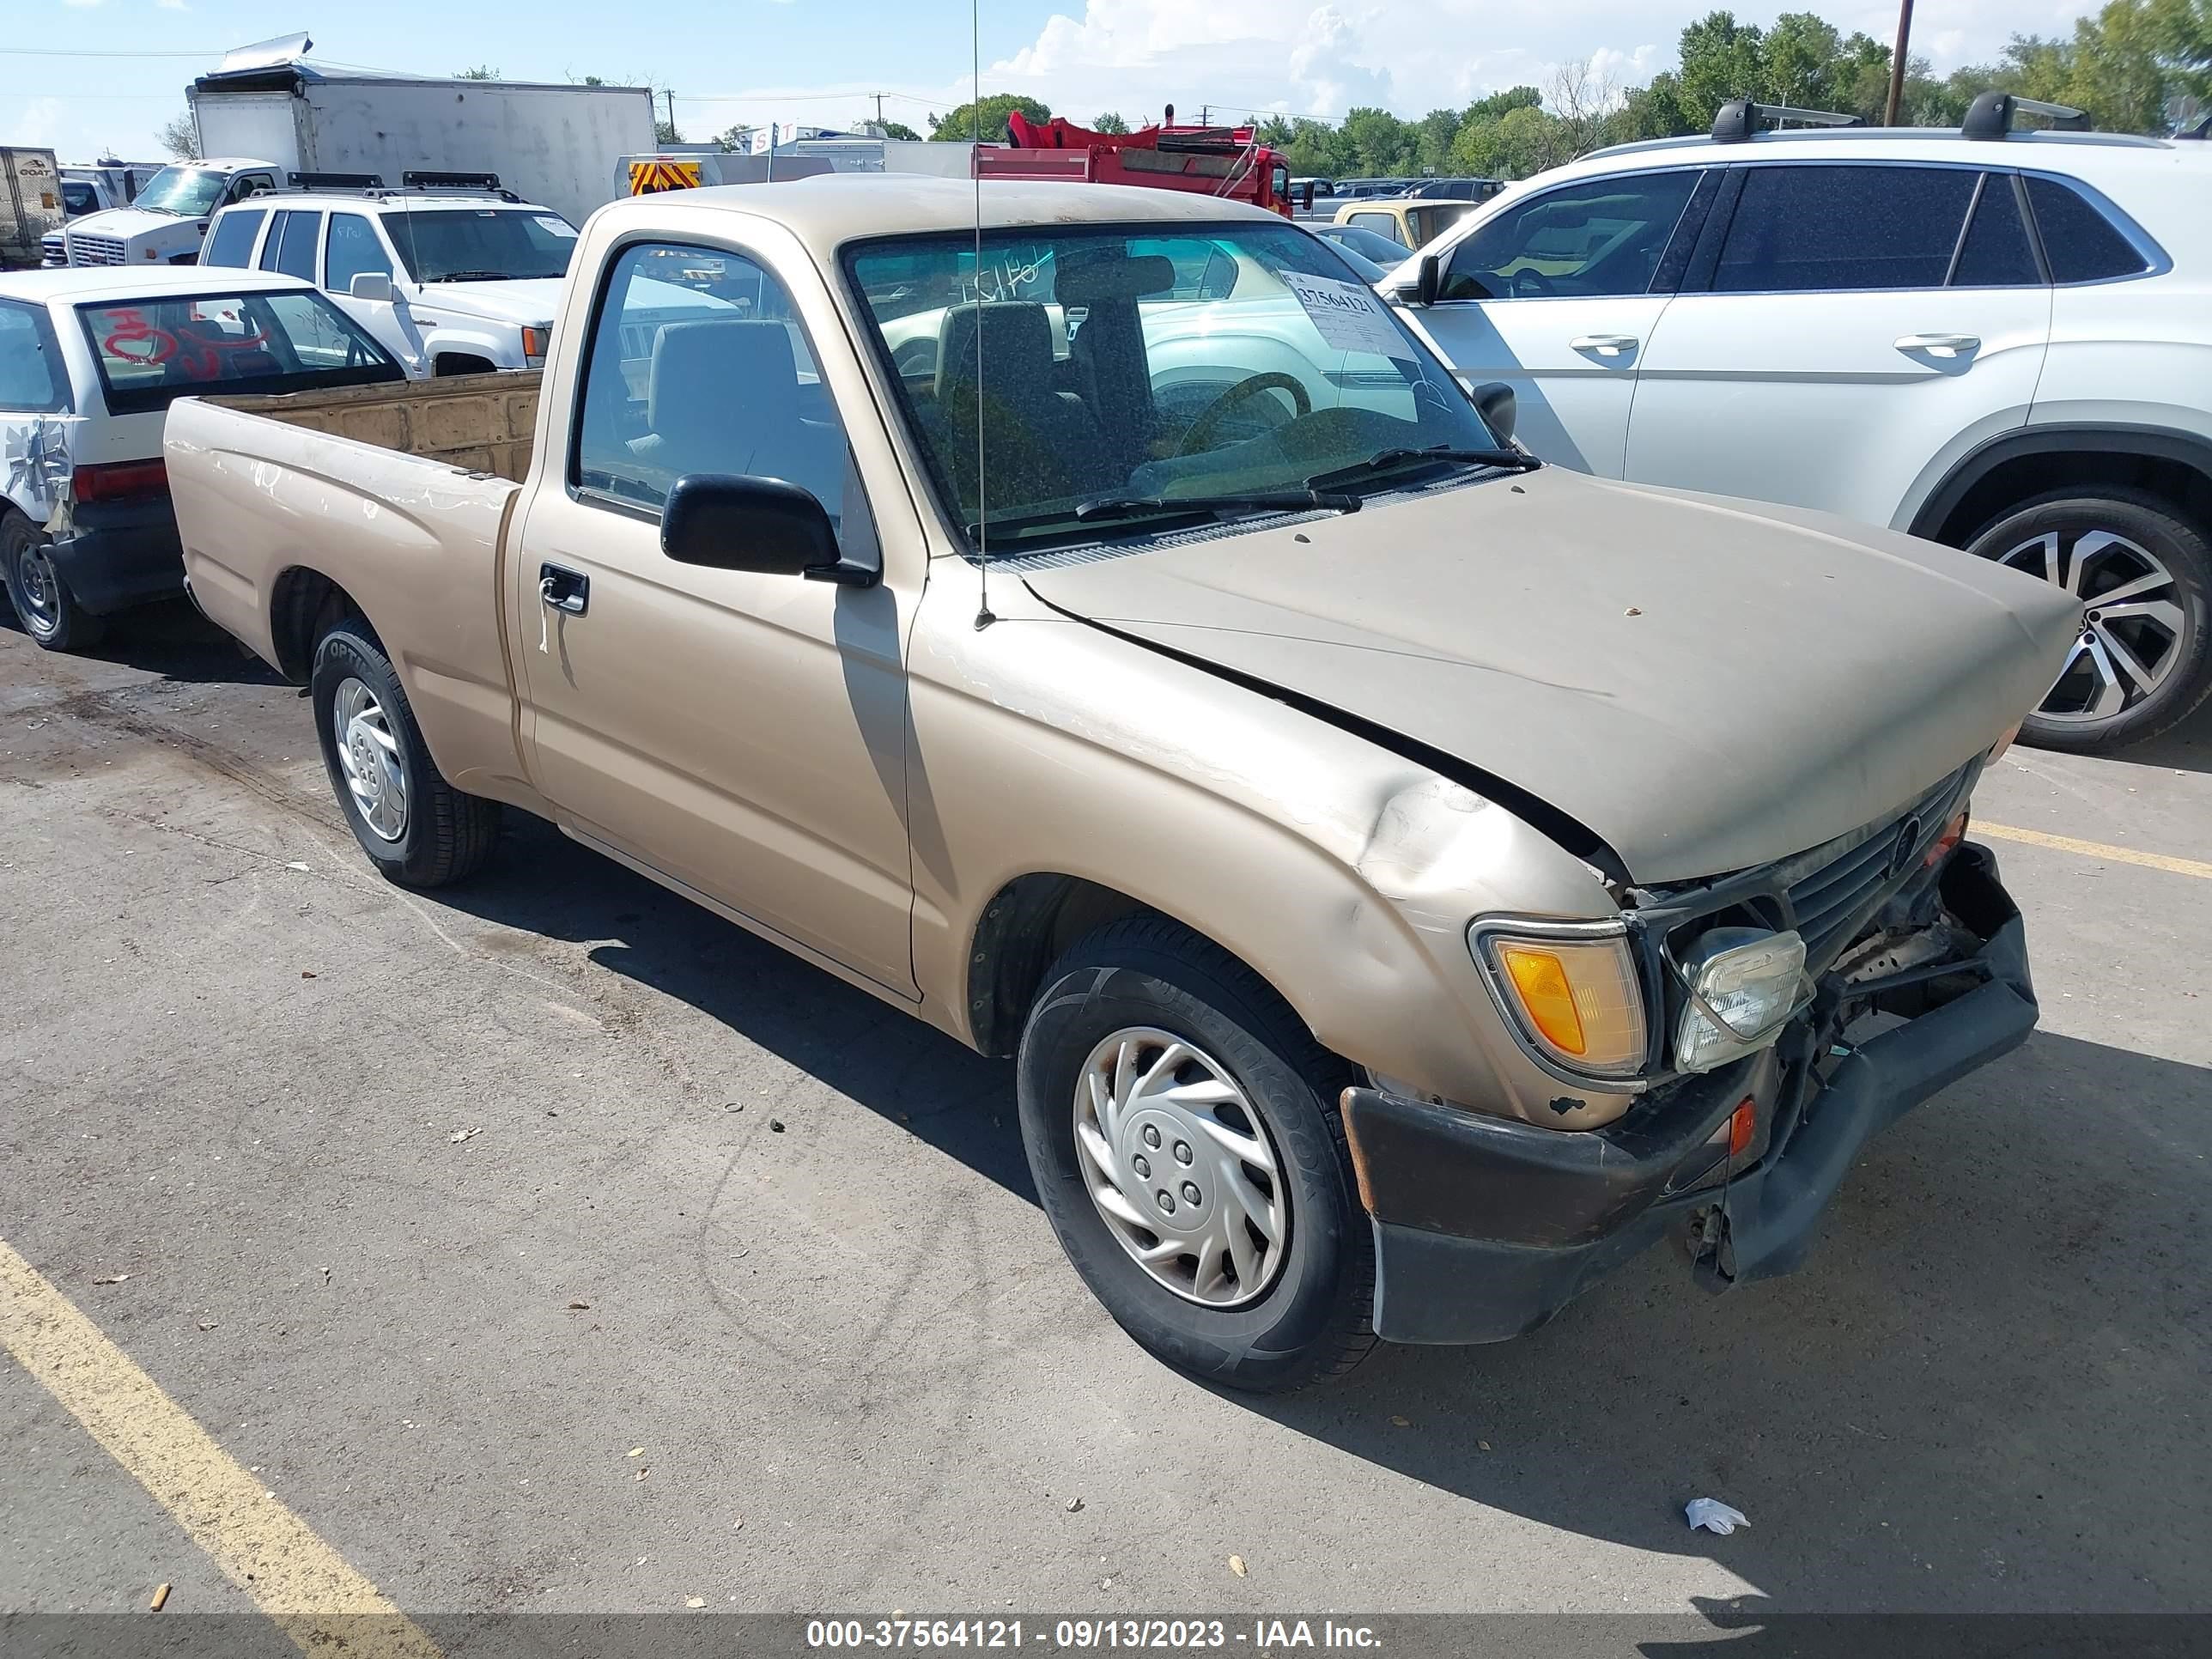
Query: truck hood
[
  {"x": 1702, "y": 683},
  {"x": 123, "y": 223},
  {"x": 525, "y": 302}
]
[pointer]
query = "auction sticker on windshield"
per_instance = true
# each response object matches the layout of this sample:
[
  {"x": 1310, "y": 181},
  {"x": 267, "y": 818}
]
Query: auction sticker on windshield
[
  {"x": 1349, "y": 316},
  {"x": 560, "y": 228}
]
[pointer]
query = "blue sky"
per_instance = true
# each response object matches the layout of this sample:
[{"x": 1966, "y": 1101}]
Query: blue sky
[{"x": 815, "y": 60}]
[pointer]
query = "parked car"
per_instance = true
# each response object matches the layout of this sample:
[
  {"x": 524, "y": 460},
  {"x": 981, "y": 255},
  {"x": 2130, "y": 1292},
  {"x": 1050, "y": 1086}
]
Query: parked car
[
  {"x": 92, "y": 187},
  {"x": 451, "y": 280},
  {"x": 168, "y": 218},
  {"x": 2000, "y": 339},
  {"x": 1413, "y": 221},
  {"x": 1368, "y": 244},
  {"x": 1409, "y": 878},
  {"x": 1455, "y": 190},
  {"x": 90, "y": 361}
]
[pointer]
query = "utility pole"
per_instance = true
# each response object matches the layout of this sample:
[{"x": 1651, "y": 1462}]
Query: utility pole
[
  {"x": 671, "y": 96},
  {"x": 1896, "y": 62},
  {"x": 879, "y": 109}
]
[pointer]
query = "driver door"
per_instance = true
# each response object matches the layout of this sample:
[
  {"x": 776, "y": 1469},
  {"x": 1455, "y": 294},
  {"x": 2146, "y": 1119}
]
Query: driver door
[{"x": 1557, "y": 295}]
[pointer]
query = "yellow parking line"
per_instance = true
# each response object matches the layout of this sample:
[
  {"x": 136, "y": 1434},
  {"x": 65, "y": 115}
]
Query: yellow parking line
[
  {"x": 2097, "y": 850},
  {"x": 294, "y": 1577}
]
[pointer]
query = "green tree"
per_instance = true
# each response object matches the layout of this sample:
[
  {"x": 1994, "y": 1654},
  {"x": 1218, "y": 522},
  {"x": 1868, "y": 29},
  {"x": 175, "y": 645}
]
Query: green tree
[
  {"x": 179, "y": 137},
  {"x": 1111, "y": 121},
  {"x": 481, "y": 72},
  {"x": 959, "y": 124},
  {"x": 900, "y": 130}
]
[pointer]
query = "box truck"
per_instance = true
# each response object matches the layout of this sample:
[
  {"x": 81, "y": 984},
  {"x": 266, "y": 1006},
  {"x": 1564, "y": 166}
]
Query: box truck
[{"x": 30, "y": 203}]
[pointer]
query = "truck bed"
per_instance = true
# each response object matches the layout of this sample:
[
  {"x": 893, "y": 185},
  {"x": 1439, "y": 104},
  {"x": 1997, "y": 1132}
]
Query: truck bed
[
  {"x": 479, "y": 422},
  {"x": 395, "y": 496}
]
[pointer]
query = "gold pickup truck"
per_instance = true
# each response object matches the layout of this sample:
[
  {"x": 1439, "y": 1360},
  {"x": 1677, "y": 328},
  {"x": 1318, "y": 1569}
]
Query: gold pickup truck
[{"x": 1409, "y": 878}]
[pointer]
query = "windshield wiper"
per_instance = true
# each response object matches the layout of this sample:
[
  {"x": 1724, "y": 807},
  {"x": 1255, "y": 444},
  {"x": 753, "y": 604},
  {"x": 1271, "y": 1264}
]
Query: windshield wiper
[
  {"x": 473, "y": 277},
  {"x": 1383, "y": 460},
  {"x": 1262, "y": 501}
]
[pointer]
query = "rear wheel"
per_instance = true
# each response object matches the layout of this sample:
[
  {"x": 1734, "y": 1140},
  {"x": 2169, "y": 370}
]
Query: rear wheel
[
  {"x": 416, "y": 828},
  {"x": 1182, "y": 1128},
  {"x": 44, "y": 605},
  {"x": 2143, "y": 658}
]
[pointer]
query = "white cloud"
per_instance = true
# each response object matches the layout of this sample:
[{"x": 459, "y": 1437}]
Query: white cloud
[
  {"x": 171, "y": 5},
  {"x": 39, "y": 123},
  {"x": 1324, "y": 56}
]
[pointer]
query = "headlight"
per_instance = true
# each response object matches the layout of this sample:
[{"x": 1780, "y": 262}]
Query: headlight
[
  {"x": 1743, "y": 987},
  {"x": 1571, "y": 989}
]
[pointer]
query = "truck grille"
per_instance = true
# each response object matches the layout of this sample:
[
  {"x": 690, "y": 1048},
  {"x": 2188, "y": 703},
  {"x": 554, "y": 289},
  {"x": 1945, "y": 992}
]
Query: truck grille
[
  {"x": 1833, "y": 894},
  {"x": 95, "y": 250}
]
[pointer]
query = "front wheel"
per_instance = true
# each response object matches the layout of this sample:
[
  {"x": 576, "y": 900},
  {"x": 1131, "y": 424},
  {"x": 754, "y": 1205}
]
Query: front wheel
[
  {"x": 1182, "y": 1128},
  {"x": 416, "y": 828},
  {"x": 44, "y": 605},
  {"x": 2143, "y": 658}
]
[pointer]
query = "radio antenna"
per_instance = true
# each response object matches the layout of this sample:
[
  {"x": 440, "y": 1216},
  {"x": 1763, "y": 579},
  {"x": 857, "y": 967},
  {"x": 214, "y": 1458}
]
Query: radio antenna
[{"x": 983, "y": 617}]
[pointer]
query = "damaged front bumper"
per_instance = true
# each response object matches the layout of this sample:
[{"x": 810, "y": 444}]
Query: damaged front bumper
[{"x": 1485, "y": 1227}]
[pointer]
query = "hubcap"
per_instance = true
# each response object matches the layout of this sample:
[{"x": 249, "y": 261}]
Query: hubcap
[
  {"x": 1181, "y": 1167},
  {"x": 2132, "y": 636},
  {"x": 40, "y": 589},
  {"x": 369, "y": 756}
]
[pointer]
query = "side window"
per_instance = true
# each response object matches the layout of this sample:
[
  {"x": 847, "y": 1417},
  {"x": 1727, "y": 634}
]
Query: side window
[
  {"x": 32, "y": 378},
  {"x": 2082, "y": 245},
  {"x": 231, "y": 241},
  {"x": 351, "y": 249},
  {"x": 1596, "y": 237},
  {"x": 698, "y": 364},
  {"x": 296, "y": 258},
  {"x": 1202, "y": 271},
  {"x": 1837, "y": 229},
  {"x": 248, "y": 183},
  {"x": 275, "y": 241},
  {"x": 1995, "y": 253}
]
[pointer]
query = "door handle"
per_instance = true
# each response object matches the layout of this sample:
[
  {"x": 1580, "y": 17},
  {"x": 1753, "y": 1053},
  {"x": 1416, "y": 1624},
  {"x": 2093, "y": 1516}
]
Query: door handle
[
  {"x": 564, "y": 589},
  {"x": 1606, "y": 345},
  {"x": 1941, "y": 345}
]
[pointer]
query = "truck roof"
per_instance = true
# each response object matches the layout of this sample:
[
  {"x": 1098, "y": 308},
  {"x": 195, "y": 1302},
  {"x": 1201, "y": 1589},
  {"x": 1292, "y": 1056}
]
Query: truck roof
[
  {"x": 830, "y": 210},
  {"x": 122, "y": 281}
]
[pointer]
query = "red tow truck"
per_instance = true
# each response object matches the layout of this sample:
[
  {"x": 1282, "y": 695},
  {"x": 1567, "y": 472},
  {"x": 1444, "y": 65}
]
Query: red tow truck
[{"x": 1225, "y": 162}]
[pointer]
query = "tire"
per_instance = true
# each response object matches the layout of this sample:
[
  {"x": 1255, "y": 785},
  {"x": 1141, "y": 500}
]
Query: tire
[
  {"x": 2099, "y": 544},
  {"x": 44, "y": 605},
  {"x": 1302, "y": 1313},
  {"x": 427, "y": 833}
]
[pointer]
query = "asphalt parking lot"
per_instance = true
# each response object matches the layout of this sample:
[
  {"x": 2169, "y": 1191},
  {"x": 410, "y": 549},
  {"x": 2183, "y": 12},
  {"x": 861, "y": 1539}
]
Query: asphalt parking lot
[{"x": 551, "y": 1244}]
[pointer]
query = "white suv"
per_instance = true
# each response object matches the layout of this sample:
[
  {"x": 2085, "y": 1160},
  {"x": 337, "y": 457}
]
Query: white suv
[
  {"x": 452, "y": 277},
  {"x": 1998, "y": 339}
]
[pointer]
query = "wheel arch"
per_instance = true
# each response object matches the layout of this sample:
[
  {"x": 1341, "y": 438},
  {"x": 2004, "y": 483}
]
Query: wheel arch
[
  {"x": 1031, "y": 922},
  {"x": 2171, "y": 464},
  {"x": 303, "y": 603}
]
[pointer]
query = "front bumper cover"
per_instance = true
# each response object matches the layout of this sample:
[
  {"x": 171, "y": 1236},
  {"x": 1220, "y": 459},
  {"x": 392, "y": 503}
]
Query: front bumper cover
[{"x": 1485, "y": 1228}]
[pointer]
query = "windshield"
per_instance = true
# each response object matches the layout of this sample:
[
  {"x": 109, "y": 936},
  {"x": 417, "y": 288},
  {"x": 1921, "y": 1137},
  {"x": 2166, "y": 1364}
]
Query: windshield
[
  {"x": 153, "y": 351},
  {"x": 481, "y": 244},
  {"x": 1121, "y": 368},
  {"x": 186, "y": 191}
]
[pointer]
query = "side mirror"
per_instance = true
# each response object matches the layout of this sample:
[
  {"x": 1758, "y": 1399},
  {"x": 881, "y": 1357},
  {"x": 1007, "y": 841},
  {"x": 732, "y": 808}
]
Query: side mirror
[
  {"x": 1426, "y": 284},
  {"x": 1493, "y": 401},
  {"x": 371, "y": 285},
  {"x": 727, "y": 522}
]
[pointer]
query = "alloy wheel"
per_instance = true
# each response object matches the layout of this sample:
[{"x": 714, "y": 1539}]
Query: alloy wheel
[
  {"x": 2133, "y": 624},
  {"x": 1182, "y": 1167}
]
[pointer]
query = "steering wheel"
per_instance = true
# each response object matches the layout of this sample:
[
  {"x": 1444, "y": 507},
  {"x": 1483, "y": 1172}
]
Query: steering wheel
[
  {"x": 1531, "y": 285},
  {"x": 1201, "y": 431}
]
